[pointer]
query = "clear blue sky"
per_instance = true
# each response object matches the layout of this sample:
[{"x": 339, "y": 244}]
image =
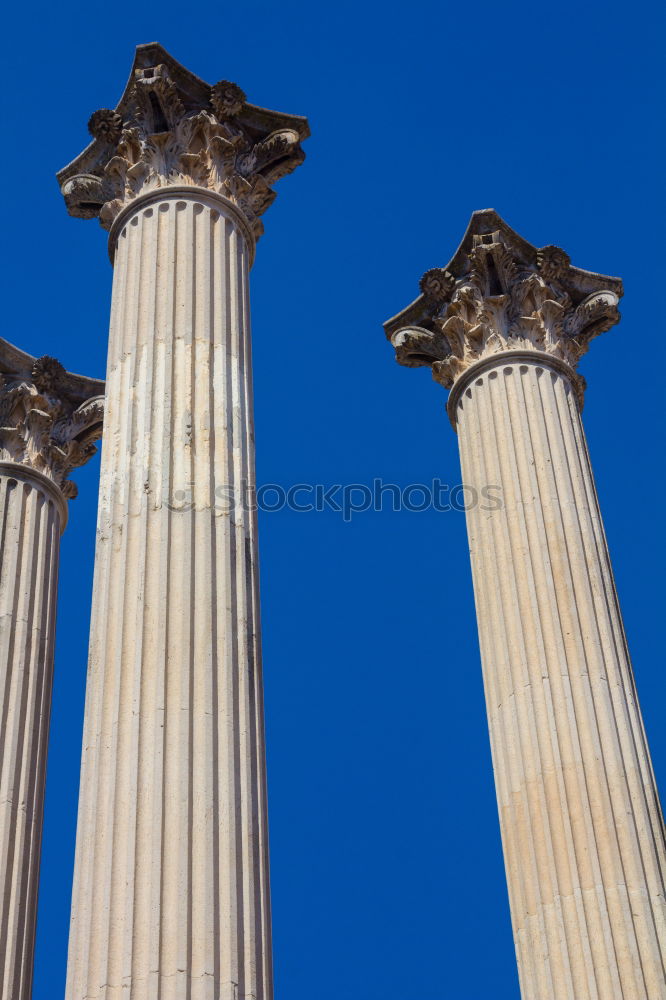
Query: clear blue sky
[{"x": 387, "y": 872}]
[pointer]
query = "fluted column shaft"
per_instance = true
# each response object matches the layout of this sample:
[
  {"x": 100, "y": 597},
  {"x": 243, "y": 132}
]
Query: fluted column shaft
[
  {"x": 581, "y": 824},
  {"x": 32, "y": 516},
  {"x": 171, "y": 895}
]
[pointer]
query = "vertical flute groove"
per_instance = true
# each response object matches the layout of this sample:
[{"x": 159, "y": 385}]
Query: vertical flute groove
[
  {"x": 603, "y": 831},
  {"x": 550, "y": 874},
  {"x": 493, "y": 650},
  {"x": 552, "y": 652},
  {"x": 522, "y": 724},
  {"x": 570, "y": 623},
  {"x": 30, "y": 528},
  {"x": 581, "y": 825},
  {"x": 174, "y": 903}
]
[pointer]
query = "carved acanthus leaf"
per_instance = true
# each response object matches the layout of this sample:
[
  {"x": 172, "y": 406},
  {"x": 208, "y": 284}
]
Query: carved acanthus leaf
[
  {"x": 500, "y": 294},
  {"x": 43, "y": 423},
  {"x": 172, "y": 129}
]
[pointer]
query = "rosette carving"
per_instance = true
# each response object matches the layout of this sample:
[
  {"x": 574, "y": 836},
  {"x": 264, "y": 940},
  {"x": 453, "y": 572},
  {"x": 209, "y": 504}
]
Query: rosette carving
[
  {"x": 437, "y": 284},
  {"x": 552, "y": 262},
  {"x": 105, "y": 125},
  {"x": 46, "y": 421},
  {"x": 170, "y": 128},
  {"x": 227, "y": 99},
  {"x": 499, "y": 293}
]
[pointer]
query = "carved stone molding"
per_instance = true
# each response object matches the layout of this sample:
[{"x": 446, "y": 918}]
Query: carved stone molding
[
  {"x": 172, "y": 128},
  {"x": 50, "y": 419},
  {"x": 499, "y": 293}
]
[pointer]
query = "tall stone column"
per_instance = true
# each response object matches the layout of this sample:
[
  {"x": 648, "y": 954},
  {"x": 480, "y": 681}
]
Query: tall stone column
[
  {"x": 49, "y": 420},
  {"x": 503, "y": 326},
  {"x": 171, "y": 894}
]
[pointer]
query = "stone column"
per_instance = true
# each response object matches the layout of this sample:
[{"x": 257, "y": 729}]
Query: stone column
[
  {"x": 171, "y": 894},
  {"x": 49, "y": 420},
  {"x": 503, "y": 326}
]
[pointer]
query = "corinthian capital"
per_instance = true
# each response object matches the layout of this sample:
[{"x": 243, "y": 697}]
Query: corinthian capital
[
  {"x": 49, "y": 418},
  {"x": 171, "y": 128},
  {"x": 500, "y": 293}
]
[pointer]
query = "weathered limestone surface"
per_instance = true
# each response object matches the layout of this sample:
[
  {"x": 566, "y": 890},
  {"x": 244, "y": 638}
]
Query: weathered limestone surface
[
  {"x": 171, "y": 893},
  {"x": 49, "y": 421},
  {"x": 582, "y": 829}
]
